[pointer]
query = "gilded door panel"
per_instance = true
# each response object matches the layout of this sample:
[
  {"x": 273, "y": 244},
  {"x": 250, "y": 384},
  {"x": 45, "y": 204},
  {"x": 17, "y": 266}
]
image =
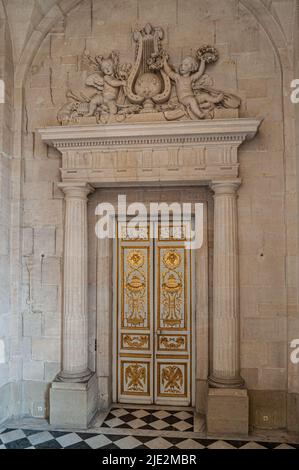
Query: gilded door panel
[
  {"x": 135, "y": 317},
  {"x": 172, "y": 284},
  {"x": 154, "y": 317},
  {"x": 172, "y": 358},
  {"x": 135, "y": 287}
]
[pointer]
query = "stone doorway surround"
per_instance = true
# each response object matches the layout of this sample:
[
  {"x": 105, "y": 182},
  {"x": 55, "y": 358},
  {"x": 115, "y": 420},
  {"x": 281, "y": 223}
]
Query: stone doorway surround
[{"x": 203, "y": 153}]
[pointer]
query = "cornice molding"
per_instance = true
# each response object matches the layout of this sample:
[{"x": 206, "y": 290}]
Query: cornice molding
[{"x": 233, "y": 131}]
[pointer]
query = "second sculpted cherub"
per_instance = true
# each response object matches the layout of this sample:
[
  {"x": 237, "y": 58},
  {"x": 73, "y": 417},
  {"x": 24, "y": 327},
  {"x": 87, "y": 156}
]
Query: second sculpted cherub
[{"x": 189, "y": 72}]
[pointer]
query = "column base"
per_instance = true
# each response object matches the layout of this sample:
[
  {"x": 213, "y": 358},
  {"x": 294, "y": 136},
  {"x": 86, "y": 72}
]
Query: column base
[
  {"x": 227, "y": 412},
  {"x": 76, "y": 378},
  {"x": 73, "y": 404},
  {"x": 235, "y": 382}
]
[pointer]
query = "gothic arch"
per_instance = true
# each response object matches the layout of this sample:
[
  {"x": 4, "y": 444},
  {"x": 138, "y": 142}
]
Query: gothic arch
[{"x": 262, "y": 15}]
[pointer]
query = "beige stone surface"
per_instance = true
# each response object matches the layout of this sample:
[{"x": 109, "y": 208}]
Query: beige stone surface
[
  {"x": 36, "y": 37},
  {"x": 227, "y": 412},
  {"x": 73, "y": 405}
]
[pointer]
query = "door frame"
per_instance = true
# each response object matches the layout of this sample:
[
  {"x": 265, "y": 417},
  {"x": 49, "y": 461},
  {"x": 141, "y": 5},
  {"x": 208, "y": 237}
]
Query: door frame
[{"x": 104, "y": 328}]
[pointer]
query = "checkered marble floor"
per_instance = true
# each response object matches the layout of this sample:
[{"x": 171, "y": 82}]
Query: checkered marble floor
[
  {"x": 127, "y": 428},
  {"x": 147, "y": 419},
  {"x": 34, "y": 439}
]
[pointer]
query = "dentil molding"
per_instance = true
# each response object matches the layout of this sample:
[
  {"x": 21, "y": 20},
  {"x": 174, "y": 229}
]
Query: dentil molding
[{"x": 151, "y": 134}]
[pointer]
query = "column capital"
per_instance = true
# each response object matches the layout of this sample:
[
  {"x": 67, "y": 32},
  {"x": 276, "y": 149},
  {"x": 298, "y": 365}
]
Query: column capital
[
  {"x": 221, "y": 187},
  {"x": 76, "y": 190}
]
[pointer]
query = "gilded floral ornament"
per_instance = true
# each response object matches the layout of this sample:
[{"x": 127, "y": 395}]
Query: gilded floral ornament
[
  {"x": 135, "y": 259},
  {"x": 172, "y": 259}
]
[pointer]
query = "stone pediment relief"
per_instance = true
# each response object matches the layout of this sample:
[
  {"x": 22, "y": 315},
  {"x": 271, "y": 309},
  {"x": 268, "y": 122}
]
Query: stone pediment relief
[{"x": 150, "y": 89}]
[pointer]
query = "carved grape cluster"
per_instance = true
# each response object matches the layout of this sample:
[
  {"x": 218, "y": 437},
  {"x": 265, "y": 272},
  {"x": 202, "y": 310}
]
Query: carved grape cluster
[{"x": 208, "y": 53}]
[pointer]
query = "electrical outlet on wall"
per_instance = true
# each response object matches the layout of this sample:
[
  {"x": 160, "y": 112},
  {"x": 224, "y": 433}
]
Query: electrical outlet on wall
[
  {"x": 38, "y": 410},
  {"x": 265, "y": 418}
]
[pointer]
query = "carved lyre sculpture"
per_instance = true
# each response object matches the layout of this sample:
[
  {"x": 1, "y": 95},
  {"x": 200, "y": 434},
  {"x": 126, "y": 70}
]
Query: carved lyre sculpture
[
  {"x": 148, "y": 84},
  {"x": 117, "y": 92}
]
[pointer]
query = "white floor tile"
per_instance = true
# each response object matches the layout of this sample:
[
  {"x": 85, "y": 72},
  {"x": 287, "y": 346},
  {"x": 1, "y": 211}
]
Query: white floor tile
[
  {"x": 285, "y": 446},
  {"x": 190, "y": 444},
  {"x": 136, "y": 423},
  {"x": 97, "y": 442},
  {"x": 128, "y": 442},
  {"x": 114, "y": 422},
  {"x": 140, "y": 413},
  {"x": 69, "y": 439},
  {"x": 12, "y": 436},
  {"x": 183, "y": 415},
  {"x": 119, "y": 412},
  {"x": 40, "y": 437},
  {"x": 252, "y": 445},
  {"x": 159, "y": 424},
  {"x": 221, "y": 445},
  {"x": 182, "y": 426},
  {"x": 158, "y": 443},
  {"x": 161, "y": 414}
]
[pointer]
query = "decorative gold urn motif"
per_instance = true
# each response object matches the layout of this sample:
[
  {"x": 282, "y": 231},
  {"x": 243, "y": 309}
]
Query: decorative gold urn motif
[
  {"x": 135, "y": 284},
  {"x": 172, "y": 289}
]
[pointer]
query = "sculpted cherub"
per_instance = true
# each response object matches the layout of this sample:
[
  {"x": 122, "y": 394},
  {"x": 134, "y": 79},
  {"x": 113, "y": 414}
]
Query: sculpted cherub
[
  {"x": 107, "y": 84},
  {"x": 189, "y": 72}
]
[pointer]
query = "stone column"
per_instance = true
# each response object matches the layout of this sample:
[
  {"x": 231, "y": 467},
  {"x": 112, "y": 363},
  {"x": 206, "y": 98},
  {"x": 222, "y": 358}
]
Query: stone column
[
  {"x": 75, "y": 284},
  {"x": 73, "y": 395},
  {"x": 226, "y": 322},
  {"x": 228, "y": 403}
]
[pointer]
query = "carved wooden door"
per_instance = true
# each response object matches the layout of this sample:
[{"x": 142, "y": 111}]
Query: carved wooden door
[{"x": 154, "y": 317}]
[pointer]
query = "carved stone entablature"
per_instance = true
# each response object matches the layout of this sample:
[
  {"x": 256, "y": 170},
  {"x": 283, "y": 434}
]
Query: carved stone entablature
[
  {"x": 152, "y": 153},
  {"x": 149, "y": 89}
]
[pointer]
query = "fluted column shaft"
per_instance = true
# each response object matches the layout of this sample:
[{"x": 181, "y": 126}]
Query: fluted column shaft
[
  {"x": 75, "y": 285},
  {"x": 226, "y": 321}
]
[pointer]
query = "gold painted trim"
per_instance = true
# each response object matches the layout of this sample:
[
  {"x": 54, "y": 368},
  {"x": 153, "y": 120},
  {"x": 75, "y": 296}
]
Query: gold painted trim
[
  {"x": 173, "y": 356},
  {"x": 136, "y": 355}
]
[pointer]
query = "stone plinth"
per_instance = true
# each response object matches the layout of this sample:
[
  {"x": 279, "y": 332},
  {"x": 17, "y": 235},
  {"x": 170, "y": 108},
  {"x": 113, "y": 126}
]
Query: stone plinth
[
  {"x": 73, "y": 404},
  {"x": 227, "y": 412}
]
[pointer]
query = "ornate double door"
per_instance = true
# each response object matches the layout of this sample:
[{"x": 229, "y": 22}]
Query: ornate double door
[{"x": 154, "y": 337}]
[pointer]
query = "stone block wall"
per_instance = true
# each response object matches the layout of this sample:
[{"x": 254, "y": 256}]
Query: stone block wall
[
  {"x": 6, "y": 320},
  {"x": 252, "y": 66}
]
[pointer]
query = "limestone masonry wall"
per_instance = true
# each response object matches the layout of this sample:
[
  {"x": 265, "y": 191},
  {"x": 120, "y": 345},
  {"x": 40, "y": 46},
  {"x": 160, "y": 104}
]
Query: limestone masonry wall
[
  {"x": 252, "y": 66},
  {"x": 6, "y": 320}
]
